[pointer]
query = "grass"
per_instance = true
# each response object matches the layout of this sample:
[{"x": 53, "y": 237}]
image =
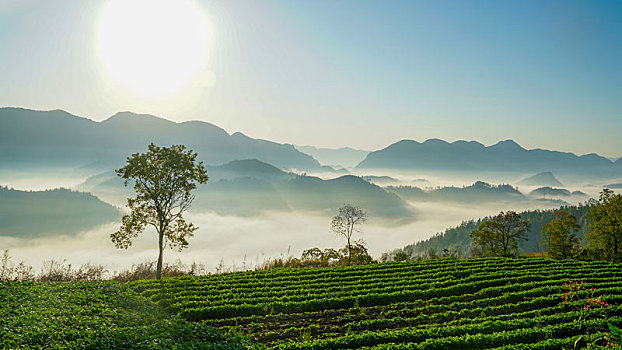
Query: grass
[{"x": 96, "y": 315}]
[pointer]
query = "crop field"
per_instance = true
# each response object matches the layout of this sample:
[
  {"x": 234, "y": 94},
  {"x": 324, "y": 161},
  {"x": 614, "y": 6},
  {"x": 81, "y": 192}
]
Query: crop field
[
  {"x": 96, "y": 315},
  {"x": 488, "y": 303}
]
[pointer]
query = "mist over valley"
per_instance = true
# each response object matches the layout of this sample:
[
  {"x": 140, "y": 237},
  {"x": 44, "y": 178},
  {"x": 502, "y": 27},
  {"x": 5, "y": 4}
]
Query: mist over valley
[{"x": 263, "y": 199}]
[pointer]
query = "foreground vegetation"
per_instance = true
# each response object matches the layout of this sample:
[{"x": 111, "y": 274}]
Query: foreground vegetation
[
  {"x": 96, "y": 315},
  {"x": 433, "y": 304}
]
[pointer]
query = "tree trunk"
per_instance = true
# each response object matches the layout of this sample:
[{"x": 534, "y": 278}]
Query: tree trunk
[
  {"x": 161, "y": 252},
  {"x": 615, "y": 247},
  {"x": 350, "y": 233},
  {"x": 349, "y": 252}
]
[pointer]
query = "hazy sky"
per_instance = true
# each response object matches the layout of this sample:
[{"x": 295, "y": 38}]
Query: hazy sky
[{"x": 349, "y": 73}]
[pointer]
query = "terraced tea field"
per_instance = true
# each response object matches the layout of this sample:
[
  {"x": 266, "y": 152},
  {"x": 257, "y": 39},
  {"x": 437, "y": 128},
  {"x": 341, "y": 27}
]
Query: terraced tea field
[{"x": 434, "y": 304}]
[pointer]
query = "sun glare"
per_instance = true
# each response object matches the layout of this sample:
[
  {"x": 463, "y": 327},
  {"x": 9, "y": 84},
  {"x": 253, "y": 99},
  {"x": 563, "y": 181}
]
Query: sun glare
[{"x": 152, "y": 46}]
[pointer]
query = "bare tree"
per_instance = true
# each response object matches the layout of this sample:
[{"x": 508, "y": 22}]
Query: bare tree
[{"x": 345, "y": 224}]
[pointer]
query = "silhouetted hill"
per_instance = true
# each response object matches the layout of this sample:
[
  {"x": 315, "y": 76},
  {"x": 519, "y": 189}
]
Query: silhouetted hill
[
  {"x": 550, "y": 192},
  {"x": 250, "y": 187},
  {"x": 380, "y": 180},
  {"x": 613, "y": 186},
  {"x": 244, "y": 196},
  {"x": 344, "y": 156},
  {"x": 54, "y": 137},
  {"x": 310, "y": 193},
  {"x": 29, "y": 214},
  {"x": 252, "y": 196},
  {"x": 248, "y": 168},
  {"x": 252, "y": 166},
  {"x": 435, "y": 154},
  {"x": 541, "y": 179},
  {"x": 458, "y": 238},
  {"x": 478, "y": 192}
]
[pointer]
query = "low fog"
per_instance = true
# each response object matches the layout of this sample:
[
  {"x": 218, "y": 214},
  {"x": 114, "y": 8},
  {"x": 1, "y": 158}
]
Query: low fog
[
  {"x": 245, "y": 242},
  {"x": 240, "y": 241},
  {"x": 41, "y": 178}
]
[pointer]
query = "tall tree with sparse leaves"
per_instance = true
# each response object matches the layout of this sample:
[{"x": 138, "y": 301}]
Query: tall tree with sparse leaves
[
  {"x": 163, "y": 178},
  {"x": 605, "y": 216},
  {"x": 500, "y": 235},
  {"x": 346, "y": 224},
  {"x": 559, "y": 236}
]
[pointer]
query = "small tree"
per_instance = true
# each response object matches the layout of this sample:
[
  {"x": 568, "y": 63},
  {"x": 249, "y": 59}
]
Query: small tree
[
  {"x": 559, "y": 238},
  {"x": 313, "y": 254},
  {"x": 163, "y": 180},
  {"x": 400, "y": 256},
  {"x": 356, "y": 255},
  {"x": 501, "y": 235},
  {"x": 346, "y": 224},
  {"x": 605, "y": 216}
]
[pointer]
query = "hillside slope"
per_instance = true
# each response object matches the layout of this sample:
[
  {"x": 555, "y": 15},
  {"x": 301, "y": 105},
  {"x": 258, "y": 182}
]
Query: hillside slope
[
  {"x": 433, "y": 304},
  {"x": 30, "y": 214},
  {"x": 458, "y": 238}
]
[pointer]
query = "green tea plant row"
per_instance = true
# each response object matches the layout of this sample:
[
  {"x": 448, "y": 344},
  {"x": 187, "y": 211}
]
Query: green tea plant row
[
  {"x": 427, "y": 281},
  {"x": 462, "y": 303},
  {"x": 288, "y": 277},
  {"x": 244, "y": 307},
  {"x": 358, "y": 322},
  {"x": 407, "y": 312},
  {"x": 300, "y": 277},
  {"x": 418, "y": 317},
  {"x": 209, "y": 287},
  {"x": 485, "y": 329},
  {"x": 445, "y": 303},
  {"x": 411, "y": 283},
  {"x": 473, "y": 282}
]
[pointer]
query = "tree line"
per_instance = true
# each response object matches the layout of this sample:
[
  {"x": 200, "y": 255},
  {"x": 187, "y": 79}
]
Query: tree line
[{"x": 502, "y": 234}]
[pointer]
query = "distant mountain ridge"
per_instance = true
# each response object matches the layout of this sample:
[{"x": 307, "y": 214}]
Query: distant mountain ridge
[
  {"x": 344, "y": 156},
  {"x": 250, "y": 187},
  {"x": 435, "y": 154},
  {"x": 59, "y": 137},
  {"x": 541, "y": 179},
  {"x": 477, "y": 192},
  {"x": 29, "y": 214}
]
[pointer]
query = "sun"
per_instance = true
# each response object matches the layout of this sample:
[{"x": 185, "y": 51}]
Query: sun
[{"x": 154, "y": 47}]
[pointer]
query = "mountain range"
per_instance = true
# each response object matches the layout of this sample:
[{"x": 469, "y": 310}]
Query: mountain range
[
  {"x": 506, "y": 156},
  {"x": 476, "y": 193},
  {"x": 250, "y": 187},
  {"x": 343, "y": 157},
  {"x": 57, "y": 137}
]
